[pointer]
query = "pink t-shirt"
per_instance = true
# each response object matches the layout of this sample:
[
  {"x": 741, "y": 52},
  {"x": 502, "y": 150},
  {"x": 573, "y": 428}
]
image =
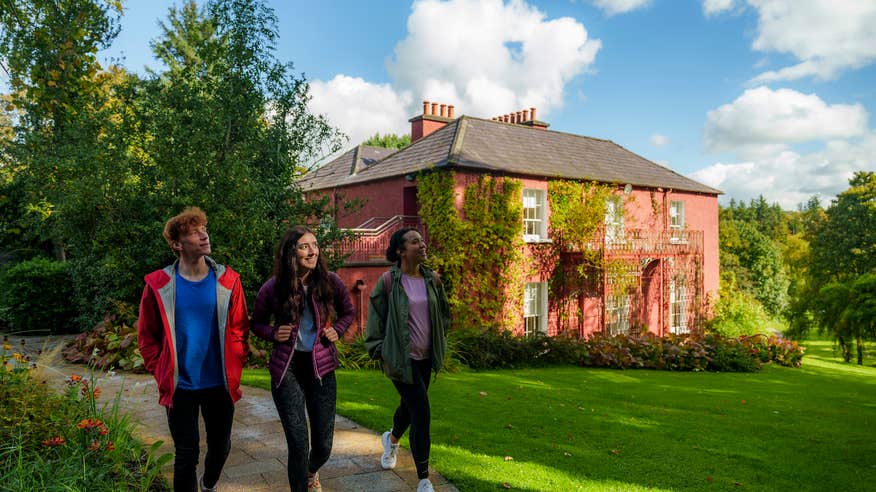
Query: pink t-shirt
[{"x": 419, "y": 325}]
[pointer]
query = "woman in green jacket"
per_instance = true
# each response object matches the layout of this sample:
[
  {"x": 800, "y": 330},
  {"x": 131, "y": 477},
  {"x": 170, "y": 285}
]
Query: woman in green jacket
[{"x": 408, "y": 317}]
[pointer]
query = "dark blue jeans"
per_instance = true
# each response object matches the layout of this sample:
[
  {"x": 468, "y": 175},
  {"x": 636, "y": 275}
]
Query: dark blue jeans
[
  {"x": 218, "y": 411},
  {"x": 413, "y": 411},
  {"x": 301, "y": 389}
]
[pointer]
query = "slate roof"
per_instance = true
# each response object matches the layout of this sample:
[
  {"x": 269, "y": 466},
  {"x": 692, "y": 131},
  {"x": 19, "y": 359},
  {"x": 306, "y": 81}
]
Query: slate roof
[{"x": 475, "y": 143}]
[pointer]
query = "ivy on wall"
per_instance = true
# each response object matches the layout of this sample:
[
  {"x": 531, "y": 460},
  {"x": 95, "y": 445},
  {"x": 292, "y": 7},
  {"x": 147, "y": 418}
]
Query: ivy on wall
[
  {"x": 578, "y": 213},
  {"x": 478, "y": 253}
]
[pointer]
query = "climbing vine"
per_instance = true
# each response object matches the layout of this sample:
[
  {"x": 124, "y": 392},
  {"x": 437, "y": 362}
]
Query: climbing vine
[
  {"x": 578, "y": 213},
  {"x": 478, "y": 253}
]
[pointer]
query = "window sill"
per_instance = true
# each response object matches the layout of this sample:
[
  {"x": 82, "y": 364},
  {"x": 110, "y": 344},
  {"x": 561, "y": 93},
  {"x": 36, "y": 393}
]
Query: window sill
[{"x": 538, "y": 241}]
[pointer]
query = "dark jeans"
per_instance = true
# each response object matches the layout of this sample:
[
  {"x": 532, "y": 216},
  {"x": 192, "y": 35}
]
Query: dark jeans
[
  {"x": 301, "y": 389},
  {"x": 414, "y": 412},
  {"x": 182, "y": 418}
]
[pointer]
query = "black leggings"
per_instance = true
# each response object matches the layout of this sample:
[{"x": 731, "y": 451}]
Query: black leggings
[
  {"x": 182, "y": 418},
  {"x": 413, "y": 412},
  {"x": 300, "y": 388}
]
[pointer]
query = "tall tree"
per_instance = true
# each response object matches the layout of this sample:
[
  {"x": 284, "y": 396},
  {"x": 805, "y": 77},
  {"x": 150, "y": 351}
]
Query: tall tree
[{"x": 229, "y": 130}]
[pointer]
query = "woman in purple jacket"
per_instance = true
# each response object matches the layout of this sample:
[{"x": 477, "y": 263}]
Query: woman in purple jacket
[{"x": 304, "y": 309}]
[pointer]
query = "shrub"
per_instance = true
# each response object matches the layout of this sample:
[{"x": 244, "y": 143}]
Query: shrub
[
  {"x": 353, "y": 355},
  {"x": 737, "y": 314},
  {"x": 110, "y": 344},
  {"x": 36, "y": 297},
  {"x": 492, "y": 349},
  {"x": 50, "y": 441}
]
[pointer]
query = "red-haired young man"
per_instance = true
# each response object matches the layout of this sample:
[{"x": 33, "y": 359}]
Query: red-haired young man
[{"x": 193, "y": 330}]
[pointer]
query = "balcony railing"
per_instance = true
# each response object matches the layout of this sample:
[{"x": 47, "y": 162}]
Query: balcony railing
[
  {"x": 372, "y": 237},
  {"x": 647, "y": 241}
]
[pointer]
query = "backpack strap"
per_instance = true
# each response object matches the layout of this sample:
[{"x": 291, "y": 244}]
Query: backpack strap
[{"x": 387, "y": 284}]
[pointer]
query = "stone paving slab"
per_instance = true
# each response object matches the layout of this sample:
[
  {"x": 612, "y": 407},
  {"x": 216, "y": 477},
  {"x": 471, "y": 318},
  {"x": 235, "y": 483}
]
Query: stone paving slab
[{"x": 257, "y": 462}]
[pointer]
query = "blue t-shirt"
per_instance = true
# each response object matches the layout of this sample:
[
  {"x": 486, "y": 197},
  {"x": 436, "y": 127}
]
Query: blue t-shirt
[
  {"x": 306, "y": 328},
  {"x": 197, "y": 334}
]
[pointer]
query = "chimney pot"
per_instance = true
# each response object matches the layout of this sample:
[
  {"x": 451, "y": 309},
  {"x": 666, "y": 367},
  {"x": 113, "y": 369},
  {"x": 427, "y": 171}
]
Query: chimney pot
[
  {"x": 443, "y": 110},
  {"x": 525, "y": 115},
  {"x": 450, "y": 111},
  {"x": 435, "y": 109},
  {"x": 532, "y": 112},
  {"x": 519, "y": 117},
  {"x": 425, "y": 108},
  {"x": 505, "y": 118}
]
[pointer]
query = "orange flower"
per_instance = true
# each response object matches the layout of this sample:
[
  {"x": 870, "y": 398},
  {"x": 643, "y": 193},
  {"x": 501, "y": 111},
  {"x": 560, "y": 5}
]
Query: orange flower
[
  {"x": 94, "y": 446},
  {"x": 103, "y": 430},
  {"x": 96, "y": 393},
  {"x": 90, "y": 424},
  {"x": 110, "y": 446},
  {"x": 55, "y": 441},
  {"x": 75, "y": 378}
]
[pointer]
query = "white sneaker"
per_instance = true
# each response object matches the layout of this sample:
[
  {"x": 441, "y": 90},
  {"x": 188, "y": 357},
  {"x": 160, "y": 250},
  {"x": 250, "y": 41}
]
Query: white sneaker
[
  {"x": 390, "y": 453},
  {"x": 425, "y": 486}
]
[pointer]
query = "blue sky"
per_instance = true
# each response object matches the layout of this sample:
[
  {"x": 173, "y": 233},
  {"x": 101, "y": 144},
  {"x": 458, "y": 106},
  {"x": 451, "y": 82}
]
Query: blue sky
[{"x": 752, "y": 97}]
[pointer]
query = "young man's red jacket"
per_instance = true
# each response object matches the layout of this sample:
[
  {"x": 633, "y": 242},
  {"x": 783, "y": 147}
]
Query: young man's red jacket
[{"x": 157, "y": 335}]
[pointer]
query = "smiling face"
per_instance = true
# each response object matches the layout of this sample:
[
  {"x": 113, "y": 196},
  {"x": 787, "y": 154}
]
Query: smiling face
[
  {"x": 306, "y": 253},
  {"x": 413, "y": 249},
  {"x": 193, "y": 244}
]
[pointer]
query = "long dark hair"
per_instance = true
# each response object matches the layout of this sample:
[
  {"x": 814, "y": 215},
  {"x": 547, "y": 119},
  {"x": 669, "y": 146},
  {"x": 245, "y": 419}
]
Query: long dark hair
[
  {"x": 397, "y": 242},
  {"x": 289, "y": 290}
]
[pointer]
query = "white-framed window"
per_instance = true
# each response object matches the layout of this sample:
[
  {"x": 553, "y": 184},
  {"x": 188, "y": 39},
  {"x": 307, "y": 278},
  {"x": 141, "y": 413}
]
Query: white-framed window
[
  {"x": 676, "y": 221},
  {"x": 534, "y": 215},
  {"x": 614, "y": 220},
  {"x": 617, "y": 314},
  {"x": 535, "y": 308},
  {"x": 678, "y": 305}
]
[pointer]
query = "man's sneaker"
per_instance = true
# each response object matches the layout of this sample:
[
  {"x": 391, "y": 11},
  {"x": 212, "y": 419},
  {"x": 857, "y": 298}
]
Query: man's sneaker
[
  {"x": 204, "y": 488},
  {"x": 390, "y": 452},
  {"x": 313, "y": 484},
  {"x": 425, "y": 486}
]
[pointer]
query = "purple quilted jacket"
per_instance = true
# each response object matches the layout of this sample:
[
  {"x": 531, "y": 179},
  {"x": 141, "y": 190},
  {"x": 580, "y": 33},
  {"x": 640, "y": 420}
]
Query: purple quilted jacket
[{"x": 325, "y": 355}]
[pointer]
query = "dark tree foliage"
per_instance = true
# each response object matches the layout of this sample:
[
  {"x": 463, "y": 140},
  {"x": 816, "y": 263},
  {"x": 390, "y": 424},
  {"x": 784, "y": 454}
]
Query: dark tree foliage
[{"x": 99, "y": 159}]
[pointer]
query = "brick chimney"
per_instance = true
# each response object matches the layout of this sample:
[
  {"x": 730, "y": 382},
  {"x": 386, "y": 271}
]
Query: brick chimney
[
  {"x": 524, "y": 117},
  {"x": 431, "y": 119}
]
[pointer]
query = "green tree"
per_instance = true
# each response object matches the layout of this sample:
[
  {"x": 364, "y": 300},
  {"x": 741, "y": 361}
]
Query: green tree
[
  {"x": 389, "y": 141},
  {"x": 228, "y": 129},
  {"x": 844, "y": 246},
  {"x": 843, "y": 262}
]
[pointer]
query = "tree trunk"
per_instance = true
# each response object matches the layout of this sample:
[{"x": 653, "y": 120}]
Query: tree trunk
[
  {"x": 847, "y": 355},
  {"x": 860, "y": 345}
]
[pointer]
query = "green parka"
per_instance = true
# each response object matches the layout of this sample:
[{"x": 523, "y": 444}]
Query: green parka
[{"x": 386, "y": 334}]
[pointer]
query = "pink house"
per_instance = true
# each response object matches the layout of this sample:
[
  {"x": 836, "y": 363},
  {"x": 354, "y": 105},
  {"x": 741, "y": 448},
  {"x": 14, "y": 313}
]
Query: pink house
[{"x": 663, "y": 225}]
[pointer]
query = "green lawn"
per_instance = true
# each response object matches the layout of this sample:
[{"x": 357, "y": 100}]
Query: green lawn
[{"x": 812, "y": 428}]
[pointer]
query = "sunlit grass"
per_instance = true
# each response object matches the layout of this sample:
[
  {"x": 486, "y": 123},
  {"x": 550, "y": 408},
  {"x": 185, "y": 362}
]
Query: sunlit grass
[{"x": 569, "y": 428}]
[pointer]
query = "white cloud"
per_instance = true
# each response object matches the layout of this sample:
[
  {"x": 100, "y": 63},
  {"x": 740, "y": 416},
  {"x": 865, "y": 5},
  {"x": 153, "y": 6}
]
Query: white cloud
[
  {"x": 716, "y": 7},
  {"x": 359, "y": 108},
  {"x": 790, "y": 178},
  {"x": 612, "y": 7},
  {"x": 761, "y": 128},
  {"x": 763, "y": 121},
  {"x": 825, "y": 36},
  {"x": 488, "y": 58},
  {"x": 659, "y": 140}
]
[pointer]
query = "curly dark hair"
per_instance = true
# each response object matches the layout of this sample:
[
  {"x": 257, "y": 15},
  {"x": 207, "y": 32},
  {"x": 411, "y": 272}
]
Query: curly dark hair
[
  {"x": 396, "y": 242},
  {"x": 289, "y": 289}
]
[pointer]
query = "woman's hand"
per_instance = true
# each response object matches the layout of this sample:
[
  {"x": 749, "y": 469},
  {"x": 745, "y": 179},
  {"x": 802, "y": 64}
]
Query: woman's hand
[
  {"x": 283, "y": 333},
  {"x": 330, "y": 334}
]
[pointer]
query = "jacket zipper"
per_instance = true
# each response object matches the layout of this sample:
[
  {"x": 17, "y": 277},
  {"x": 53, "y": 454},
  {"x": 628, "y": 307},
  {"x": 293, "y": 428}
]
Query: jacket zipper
[{"x": 313, "y": 350}]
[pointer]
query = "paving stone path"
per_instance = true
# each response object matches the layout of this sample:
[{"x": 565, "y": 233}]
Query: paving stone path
[{"x": 258, "y": 448}]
